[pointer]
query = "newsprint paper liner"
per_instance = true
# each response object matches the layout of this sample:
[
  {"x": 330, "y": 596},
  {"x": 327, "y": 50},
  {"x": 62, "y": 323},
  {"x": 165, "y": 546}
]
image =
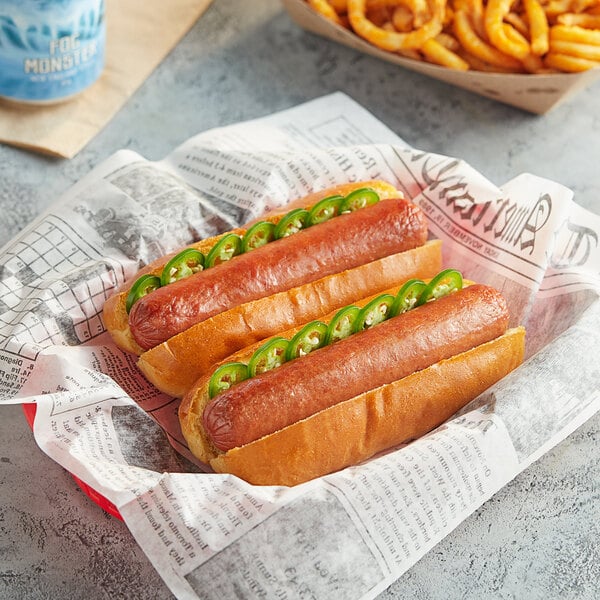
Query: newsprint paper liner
[{"x": 352, "y": 533}]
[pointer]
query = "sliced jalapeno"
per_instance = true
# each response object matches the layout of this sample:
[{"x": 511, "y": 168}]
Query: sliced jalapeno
[
  {"x": 291, "y": 223},
  {"x": 184, "y": 264},
  {"x": 268, "y": 356},
  {"x": 225, "y": 376},
  {"x": 324, "y": 209},
  {"x": 258, "y": 235},
  {"x": 309, "y": 338},
  {"x": 373, "y": 313},
  {"x": 442, "y": 284},
  {"x": 226, "y": 248},
  {"x": 342, "y": 324},
  {"x": 408, "y": 296},
  {"x": 142, "y": 286},
  {"x": 358, "y": 199}
]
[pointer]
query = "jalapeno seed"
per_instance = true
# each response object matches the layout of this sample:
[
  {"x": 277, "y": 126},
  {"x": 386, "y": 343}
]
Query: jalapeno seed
[
  {"x": 309, "y": 338},
  {"x": 258, "y": 235},
  {"x": 408, "y": 296},
  {"x": 225, "y": 249},
  {"x": 342, "y": 324},
  {"x": 269, "y": 356},
  {"x": 358, "y": 199},
  {"x": 184, "y": 264},
  {"x": 375, "y": 312},
  {"x": 291, "y": 223},
  {"x": 324, "y": 210},
  {"x": 444, "y": 283},
  {"x": 225, "y": 376}
]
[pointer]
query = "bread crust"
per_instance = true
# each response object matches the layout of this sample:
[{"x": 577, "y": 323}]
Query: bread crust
[
  {"x": 114, "y": 313},
  {"x": 359, "y": 428},
  {"x": 175, "y": 365}
]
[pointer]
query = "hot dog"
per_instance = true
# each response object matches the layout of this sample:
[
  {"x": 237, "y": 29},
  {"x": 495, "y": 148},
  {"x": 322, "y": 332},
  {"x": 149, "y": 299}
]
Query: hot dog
[
  {"x": 348, "y": 400},
  {"x": 181, "y": 329},
  {"x": 351, "y": 240}
]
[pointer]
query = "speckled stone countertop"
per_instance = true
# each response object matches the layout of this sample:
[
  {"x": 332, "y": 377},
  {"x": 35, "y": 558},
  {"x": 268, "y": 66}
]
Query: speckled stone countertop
[{"x": 537, "y": 537}]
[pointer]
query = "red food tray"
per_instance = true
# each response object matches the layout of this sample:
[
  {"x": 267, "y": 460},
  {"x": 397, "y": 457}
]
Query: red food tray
[{"x": 99, "y": 499}]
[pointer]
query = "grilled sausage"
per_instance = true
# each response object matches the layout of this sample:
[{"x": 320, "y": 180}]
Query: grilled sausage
[
  {"x": 394, "y": 349},
  {"x": 350, "y": 240}
]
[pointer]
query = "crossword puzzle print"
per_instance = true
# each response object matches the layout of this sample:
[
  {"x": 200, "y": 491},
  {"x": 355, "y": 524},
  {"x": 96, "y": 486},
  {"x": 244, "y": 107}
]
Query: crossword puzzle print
[{"x": 53, "y": 284}]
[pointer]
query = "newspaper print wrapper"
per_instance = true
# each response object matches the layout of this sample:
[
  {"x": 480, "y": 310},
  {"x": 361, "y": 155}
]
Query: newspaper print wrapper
[{"x": 211, "y": 535}]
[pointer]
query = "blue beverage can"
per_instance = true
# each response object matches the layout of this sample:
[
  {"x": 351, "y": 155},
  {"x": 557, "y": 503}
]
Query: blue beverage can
[{"x": 50, "y": 50}]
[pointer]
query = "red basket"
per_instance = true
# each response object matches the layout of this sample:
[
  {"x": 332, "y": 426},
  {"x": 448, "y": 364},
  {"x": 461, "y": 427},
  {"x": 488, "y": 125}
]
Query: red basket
[{"x": 99, "y": 499}]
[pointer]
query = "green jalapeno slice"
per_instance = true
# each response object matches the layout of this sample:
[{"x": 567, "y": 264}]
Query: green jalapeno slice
[
  {"x": 444, "y": 283},
  {"x": 309, "y": 338},
  {"x": 225, "y": 376},
  {"x": 225, "y": 249},
  {"x": 258, "y": 235},
  {"x": 291, "y": 223},
  {"x": 142, "y": 286},
  {"x": 359, "y": 199},
  {"x": 373, "y": 313},
  {"x": 342, "y": 324},
  {"x": 324, "y": 210},
  {"x": 184, "y": 264},
  {"x": 268, "y": 356},
  {"x": 408, "y": 296}
]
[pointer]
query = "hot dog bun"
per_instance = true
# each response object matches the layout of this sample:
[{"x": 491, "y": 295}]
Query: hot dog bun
[
  {"x": 115, "y": 316},
  {"x": 372, "y": 421},
  {"x": 353, "y": 431}
]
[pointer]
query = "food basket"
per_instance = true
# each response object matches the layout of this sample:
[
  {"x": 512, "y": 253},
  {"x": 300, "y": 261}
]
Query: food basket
[{"x": 533, "y": 93}]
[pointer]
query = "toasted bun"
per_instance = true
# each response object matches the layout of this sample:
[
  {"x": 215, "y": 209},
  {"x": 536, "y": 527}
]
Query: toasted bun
[
  {"x": 114, "y": 313},
  {"x": 175, "y": 365},
  {"x": 359, "y": 428}
]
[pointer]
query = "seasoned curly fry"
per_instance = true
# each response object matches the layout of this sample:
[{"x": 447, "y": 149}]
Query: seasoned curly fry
[
  {"x": 538, "y": 26},
  {"x": 414, "y": 54},
  {"x": 379, "y": 16},
  {"x": 574, "y": 34},
  {"x": 439, "y": 54},
  {"x": 390, "y": 40},
  {"x": 448, "y": 41},
  {"x": 340, "y": 6},
  {"x": 587, "y": 51},
  {"x": 480, "y": 65},
  {"x": 495, "y": 11},
  {"x": 513, "y": 34},
  {"x": 420, "y": 11},
  {"x": 582, "y": 5},
  {"x": 378, "y": 4},
  {"x": 402, "y": 19},
  {"x": 594, "y": 10},
  {"x": 517, "y": 36},
  {"x": 326, "y": 9},
  {"x": 478, "y": 47},
  {"x": 518, "y": 22},
  {"x": 570, "y": 64},
  {"x": 476, "y": 13},
  {"x": 556, "y": 7},
  {"x": 581, "y": 19},
  {"x": 410, "y": 14}
]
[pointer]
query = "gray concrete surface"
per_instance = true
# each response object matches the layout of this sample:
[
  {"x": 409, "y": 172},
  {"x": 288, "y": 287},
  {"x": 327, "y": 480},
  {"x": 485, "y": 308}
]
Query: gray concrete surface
[{"x": 538, "y": 537}]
